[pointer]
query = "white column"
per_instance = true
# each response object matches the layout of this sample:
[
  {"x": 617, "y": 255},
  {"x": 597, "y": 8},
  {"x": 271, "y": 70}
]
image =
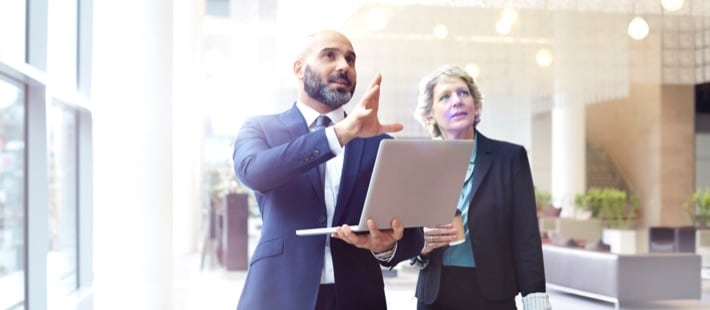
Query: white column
[
  {"x": 188, "y": 119},
  {"x": 568, "y": 153},
  {"x": 132, "y": 89},
  {"x": 568, "y": 165}
]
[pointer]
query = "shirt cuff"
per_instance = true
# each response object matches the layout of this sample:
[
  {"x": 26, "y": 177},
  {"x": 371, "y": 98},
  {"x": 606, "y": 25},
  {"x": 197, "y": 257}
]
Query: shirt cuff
[
  {"x": 333, "y": 142},
  {"x": 420, "y": 262},
  {"x": 385, "y": 256},
  {"x": 536, "y": 301}
]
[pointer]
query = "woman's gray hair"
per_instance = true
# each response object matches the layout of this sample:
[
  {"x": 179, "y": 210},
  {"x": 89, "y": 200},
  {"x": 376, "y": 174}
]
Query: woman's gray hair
[{"x": 422, "y": 112}]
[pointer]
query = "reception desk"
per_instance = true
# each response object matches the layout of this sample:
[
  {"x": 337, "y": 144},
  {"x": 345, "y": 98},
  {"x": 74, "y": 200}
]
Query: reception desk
[{"x": 624, "y": 278}]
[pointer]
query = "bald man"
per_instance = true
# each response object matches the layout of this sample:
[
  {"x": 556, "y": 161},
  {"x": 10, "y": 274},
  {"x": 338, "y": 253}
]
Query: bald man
[{"x": 278, "y": 157}]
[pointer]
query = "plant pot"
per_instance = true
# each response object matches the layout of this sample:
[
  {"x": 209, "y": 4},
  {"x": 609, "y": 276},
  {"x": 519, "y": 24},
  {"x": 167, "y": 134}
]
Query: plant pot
[
  {"x": 702, "y": 246},
  {"x": 621, "y": 241},
  {"x": 701, "y": 222}
]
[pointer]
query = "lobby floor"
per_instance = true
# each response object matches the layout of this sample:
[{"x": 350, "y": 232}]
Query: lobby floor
[
  {"x": 211, "y": 287},
  {"x": 218, "y": 289}
]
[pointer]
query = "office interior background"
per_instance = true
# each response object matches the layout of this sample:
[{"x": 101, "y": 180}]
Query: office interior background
[{"x": 117, "y": 117}]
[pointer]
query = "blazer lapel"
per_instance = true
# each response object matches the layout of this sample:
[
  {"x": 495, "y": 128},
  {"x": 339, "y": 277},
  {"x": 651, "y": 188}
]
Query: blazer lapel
[
  {"x": 484, "y": 160},
  {"x": 296, "y": 125}
]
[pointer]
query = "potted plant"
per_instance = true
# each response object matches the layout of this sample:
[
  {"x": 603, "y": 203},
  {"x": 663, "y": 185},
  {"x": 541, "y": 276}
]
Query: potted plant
[
  {"x": 617, "y": 210},
  {"x": 543, "y": 200},
  {"x": 620, "y": 209},
  {"x": 614, "y": 207},
  {"x": 698, "y": 207},
  {"x": 590, "y": 201}
]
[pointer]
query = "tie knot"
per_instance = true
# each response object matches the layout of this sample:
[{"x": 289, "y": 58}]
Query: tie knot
[{"x": 322, "y": 121}]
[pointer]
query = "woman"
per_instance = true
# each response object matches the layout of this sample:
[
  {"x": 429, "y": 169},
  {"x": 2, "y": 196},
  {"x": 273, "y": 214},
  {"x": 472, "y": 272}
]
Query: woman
[{"x": 502, "y": 253}]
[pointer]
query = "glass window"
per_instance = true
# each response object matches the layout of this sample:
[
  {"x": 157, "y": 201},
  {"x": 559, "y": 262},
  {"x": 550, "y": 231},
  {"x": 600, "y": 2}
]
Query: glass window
[
  {"x": 62, "y": 178},
  {"x": 12, "y": 42},
  {"x": 12, "y": 193},
  {"x": 62, "y": 33}
]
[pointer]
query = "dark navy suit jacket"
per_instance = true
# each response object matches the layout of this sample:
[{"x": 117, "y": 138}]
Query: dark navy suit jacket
[
  {"x": 502, "y": 224},
  {"x": 277, "y": 157}
]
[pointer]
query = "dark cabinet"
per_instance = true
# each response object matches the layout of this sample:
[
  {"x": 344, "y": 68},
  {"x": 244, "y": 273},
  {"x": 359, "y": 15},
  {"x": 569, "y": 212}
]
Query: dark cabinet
[{"x": 235, "y": 232}]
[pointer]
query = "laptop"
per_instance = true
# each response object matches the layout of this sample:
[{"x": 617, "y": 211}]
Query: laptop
[{"x": 416, "y": 181}]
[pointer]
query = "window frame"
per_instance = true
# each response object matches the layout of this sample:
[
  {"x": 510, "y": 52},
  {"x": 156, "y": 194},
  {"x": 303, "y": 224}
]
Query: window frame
[{"x": 32, "y": 74}]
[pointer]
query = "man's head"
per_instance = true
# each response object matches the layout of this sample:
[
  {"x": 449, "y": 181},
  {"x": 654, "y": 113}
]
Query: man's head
[{"x": 325, "y": 66}]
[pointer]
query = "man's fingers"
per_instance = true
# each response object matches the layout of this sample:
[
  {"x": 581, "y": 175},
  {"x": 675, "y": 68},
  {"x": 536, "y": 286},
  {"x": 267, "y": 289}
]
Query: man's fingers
[
  {"x": 374, "y": 231},
  {"x": 397, "y": 229},
  {"x": 345, "y": 229},
  {"x": 393, "y": 127},
  {"x": 371, "y": 97},
  {"x": 376, "y": 81},
  {"x": 341, "y": 232}
]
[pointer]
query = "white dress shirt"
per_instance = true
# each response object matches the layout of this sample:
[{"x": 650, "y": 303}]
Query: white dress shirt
[{"x": 333, "y": 172}]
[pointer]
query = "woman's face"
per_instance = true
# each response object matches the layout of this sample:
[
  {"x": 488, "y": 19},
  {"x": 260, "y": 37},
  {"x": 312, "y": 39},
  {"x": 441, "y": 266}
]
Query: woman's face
[{"x": 453, "y": 109}]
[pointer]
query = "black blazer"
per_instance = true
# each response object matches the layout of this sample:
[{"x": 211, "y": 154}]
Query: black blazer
[
  {"x": 277, "y": 157},
  {"x": 503, "y": 227}
]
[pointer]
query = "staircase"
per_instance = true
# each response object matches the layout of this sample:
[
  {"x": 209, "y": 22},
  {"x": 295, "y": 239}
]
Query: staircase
[{"x": 601, "y": 172}]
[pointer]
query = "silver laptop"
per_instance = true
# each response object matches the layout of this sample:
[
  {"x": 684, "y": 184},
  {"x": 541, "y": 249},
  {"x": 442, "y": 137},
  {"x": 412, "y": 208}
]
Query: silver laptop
[{"x": 416, "y": 181}]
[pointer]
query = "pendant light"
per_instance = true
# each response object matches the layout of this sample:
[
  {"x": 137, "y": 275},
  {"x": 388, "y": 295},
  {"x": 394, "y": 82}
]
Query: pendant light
[
  {"x": 672, "y": 5},
  {"x": 638, "y": 28}
]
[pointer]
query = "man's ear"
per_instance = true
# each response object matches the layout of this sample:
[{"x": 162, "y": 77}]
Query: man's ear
[{"x": 298, "y": 69}]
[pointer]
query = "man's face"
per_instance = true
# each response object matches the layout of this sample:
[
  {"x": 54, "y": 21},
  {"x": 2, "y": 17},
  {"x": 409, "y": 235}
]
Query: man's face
[
  {"x": 329, "y": 74},
  {"x": 319, "y": 88}
]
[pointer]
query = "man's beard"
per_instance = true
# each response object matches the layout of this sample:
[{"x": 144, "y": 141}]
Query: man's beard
[{"x": 319, "y": 90}]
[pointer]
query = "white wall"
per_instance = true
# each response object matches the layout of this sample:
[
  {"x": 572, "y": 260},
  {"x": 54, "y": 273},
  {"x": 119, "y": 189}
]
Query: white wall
[
  {"x": 132, "y": 87},
  {"x": 187, "y": 130}
]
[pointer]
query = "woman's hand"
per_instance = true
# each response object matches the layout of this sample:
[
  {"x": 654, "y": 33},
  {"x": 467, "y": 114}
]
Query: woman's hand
[{"x": 437, "y": 236}]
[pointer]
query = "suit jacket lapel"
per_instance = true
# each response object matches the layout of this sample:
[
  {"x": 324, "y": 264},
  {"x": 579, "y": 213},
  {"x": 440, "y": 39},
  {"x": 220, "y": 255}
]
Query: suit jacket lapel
[
  {"x": 484, "y": 160},
  {"x": 296, "y": 125}
]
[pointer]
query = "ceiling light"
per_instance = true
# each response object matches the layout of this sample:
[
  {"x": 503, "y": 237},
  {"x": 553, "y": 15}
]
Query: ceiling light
[
  {"x": 473, "y": 70},
  {"x": 376, "y": 19},
  {"x": 503, "y": 28},
  {"x": 506, "y": 21},
  {"x": 509, "y": 16},
  {"x": 543, "y": 57},
  {"x": 638, "y": 28},
  {"x": 672, "y": 5},
  {"x": 440, "y": 31}
]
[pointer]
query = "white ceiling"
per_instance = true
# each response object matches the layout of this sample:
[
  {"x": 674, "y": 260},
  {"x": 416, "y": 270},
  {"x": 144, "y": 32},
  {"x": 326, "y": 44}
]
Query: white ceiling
[{"x": 593, "y": 57}]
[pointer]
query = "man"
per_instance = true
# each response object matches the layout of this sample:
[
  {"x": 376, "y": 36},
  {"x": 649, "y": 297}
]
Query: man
[{"x": 278, "y": 157}]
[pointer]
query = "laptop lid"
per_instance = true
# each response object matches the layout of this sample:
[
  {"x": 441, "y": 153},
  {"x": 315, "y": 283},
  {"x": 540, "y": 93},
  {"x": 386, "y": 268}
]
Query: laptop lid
[{"x": 417, "y": 181}]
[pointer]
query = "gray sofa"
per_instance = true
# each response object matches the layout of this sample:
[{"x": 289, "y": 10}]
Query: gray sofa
[{"x": 622, "y": 278}]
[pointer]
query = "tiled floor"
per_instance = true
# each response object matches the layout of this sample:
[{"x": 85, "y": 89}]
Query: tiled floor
[
  {"x": 216, "y": 289},
  {"x": 219, "y": 289}
]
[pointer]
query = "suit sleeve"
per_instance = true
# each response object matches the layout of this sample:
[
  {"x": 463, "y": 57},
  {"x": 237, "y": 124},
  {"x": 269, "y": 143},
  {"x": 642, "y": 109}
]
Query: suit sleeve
[
  {"x": 266, "y": 157},
  {"x": 527, "y": 247},
  {"x": 409, "y": 246}
]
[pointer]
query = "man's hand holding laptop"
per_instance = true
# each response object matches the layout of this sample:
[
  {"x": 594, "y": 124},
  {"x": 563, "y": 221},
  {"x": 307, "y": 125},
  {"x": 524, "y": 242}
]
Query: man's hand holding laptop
[{"x": 377, "y": 241}]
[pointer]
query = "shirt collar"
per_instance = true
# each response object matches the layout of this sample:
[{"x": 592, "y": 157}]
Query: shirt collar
[{"x": 310, "y": 115}]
